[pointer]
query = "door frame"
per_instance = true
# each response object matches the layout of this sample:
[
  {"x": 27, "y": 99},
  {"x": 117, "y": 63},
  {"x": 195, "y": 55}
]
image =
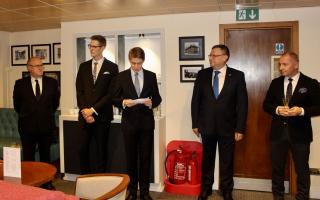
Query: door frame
[{"x": 294, "y": 26}]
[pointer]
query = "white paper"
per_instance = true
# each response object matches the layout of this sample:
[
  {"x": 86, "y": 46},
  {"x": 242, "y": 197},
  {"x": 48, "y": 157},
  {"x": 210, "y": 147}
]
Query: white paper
[
  {"x": 140, "y": 101},
  {"x": 11, "y": 162}
]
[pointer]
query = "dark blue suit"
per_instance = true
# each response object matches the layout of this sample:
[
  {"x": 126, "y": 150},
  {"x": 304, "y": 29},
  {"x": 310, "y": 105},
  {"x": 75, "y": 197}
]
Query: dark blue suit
[
  {"x": 218, "y": 120},
  {"x": 137, "y": 125}
]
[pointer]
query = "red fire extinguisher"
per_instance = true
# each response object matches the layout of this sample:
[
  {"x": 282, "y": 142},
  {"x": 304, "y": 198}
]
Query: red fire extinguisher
[
  {"x": 177, "y": 171},
  {"x": 180, "y": 168},
  {"x": 192, "y": 169}
]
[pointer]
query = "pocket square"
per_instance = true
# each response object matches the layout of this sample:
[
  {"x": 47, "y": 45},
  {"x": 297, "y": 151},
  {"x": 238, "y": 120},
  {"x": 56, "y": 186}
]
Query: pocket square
[
  {"x": 106, "y": 72},
  {"x": 303, "y": 90}
]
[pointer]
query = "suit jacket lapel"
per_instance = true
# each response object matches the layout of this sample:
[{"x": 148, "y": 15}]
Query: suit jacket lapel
[{"x": 296, "y": 89}]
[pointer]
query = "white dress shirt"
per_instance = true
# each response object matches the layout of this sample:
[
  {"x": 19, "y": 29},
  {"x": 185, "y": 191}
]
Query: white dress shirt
[
  {"x": 33, "y": 83},
  {"x": 221, "y": 76}
]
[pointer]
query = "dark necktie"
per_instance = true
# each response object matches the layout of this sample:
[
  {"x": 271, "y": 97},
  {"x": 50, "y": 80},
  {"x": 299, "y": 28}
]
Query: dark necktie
[
  {"x": 136, "y": 83},
  {"x": 289, "y": 89},
  {"x": 37, "y": 90},
  {"x": 216, "y": 84},
  {"x": 94, "y": 73}
]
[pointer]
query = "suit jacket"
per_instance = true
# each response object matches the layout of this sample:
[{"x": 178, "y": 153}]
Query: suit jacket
[
  {"x": 138, "y": 115},
  {"x": 305, "y": 95},
  {"x": 96, "y": 95},
  {"x": 34, "y": 115},
  {"x": 228, "y": 113}
]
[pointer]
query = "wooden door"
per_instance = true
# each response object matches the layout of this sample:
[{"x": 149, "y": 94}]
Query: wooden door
[{"x": 251, "y": 47}]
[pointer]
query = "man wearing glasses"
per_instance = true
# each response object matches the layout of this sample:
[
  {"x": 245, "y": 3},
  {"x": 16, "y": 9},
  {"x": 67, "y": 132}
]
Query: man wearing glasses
[
  {"x": 94, "y": 101},
  {"x": 219, "y": 113},
  {"x": 36, "y": 99}
]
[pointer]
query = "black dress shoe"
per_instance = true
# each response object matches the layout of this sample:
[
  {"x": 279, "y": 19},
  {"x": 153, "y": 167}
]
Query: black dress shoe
[
  {"x": 145, "y": 197},
  {"x": 227, "y": 196},
  {"x": 202, "y": 197},
  {"x": 277, "y": 197},
  {"x": 48, "y": 186},
  {"x": 131, "y": 196}
]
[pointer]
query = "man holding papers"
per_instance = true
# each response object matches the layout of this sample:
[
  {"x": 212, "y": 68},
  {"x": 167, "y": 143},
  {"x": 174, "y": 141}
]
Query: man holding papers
[{"x": 136, "y": 91}]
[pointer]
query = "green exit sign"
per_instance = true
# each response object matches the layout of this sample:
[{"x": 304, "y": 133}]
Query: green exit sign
[{"x": 247, "y": 14}]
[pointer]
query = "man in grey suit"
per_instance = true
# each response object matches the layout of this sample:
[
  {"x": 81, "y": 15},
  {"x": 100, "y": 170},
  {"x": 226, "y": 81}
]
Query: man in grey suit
[
  {"x": 292, "y": 99},
  {"x": 94, "y": 101},
  {"x": 219, "y": 113}
]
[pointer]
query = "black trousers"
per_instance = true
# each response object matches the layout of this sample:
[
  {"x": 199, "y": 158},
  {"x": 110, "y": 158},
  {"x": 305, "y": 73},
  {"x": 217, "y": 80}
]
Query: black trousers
[
  {"x": 226, "y": 154},
  {"x": 94, "y": 150},
  {"x": 138, "y": 145},
  {"x": 30, "y": 141},
  {"x": 300, "y": 155}
]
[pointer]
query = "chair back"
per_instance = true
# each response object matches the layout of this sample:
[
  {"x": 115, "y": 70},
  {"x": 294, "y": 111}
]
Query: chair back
[{"x": 102, "y": 186}]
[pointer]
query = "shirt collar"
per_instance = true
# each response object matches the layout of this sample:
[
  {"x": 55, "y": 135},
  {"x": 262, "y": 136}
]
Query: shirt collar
[
  {"x": 100, "y": 61},
  {"x": 140, "y": 72},
  {"x": 294, "y": 78},
  {"x": 222, "y": 70},
  {"x": 33, "y": 79}
]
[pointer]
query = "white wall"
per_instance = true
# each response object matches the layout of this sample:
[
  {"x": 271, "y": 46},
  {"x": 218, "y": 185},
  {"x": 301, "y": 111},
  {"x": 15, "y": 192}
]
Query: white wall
[
  {"x": 26, "y": 38},
  {"x": 4, "y": 63}
]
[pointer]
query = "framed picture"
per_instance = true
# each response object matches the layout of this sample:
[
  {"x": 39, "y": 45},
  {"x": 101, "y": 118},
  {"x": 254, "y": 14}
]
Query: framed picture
[
  {"x": 20, "y": 55},
  {"x": 56, "y": 50},
  {"x": 188, "y": 73},
  {"x": 275, "y": 67},
  {"x": 42, "y": 51},
  {"x": 191, "y": 48},
  {"x": 53, "y": 74},
  {"x": 25, "y": 74}
]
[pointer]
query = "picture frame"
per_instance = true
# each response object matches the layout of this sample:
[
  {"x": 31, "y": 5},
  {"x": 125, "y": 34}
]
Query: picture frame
[
  {"x": 53, "y": 74},
  {"x": 56, "y": 52},
  {"x": 191, "y": 48},
  {"x": 275, "y": 73},
  {"x": 42, "y": 51},
  {"x": 20, "y": 55},
  {"x": 188, "y": 73}
]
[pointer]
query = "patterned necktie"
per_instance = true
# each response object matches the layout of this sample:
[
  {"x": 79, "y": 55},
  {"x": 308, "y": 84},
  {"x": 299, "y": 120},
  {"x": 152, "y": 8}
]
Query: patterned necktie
[
  {"x": 289, "y": 89},
  {"x": 37, "y": 90},
  {"x": 94, "y": 73},
  {"x": 136, "y": 83},
  {"x": 216, "y": 84}
]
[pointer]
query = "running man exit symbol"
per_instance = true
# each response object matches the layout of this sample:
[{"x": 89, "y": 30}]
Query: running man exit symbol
[
  {"x": 247, "y": 14},
  {"x": 279, "y": 48}
]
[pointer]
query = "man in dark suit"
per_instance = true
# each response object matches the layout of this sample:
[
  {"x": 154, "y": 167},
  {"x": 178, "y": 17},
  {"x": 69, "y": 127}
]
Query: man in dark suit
[
  {"x": 136, "y": 91},
  {"x": 94, "y": 101},
  {"x": 35, "y": 99},
  {"x": 219, "y": 112},
  {"x": 292, "y": 99}
]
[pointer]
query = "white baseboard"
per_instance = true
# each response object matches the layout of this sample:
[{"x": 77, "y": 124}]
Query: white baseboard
[{"x": 315, "y": 185}]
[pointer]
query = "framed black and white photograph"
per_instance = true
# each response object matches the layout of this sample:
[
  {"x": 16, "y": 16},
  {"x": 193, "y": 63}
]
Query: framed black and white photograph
[
  {"x": 42, "y": 51},
  {"x": 188, "y": 73},
  {"x": 20, "y": 55},
  {"x": 53, "y": 74},
  {"x": 191, "y": 48},
  {"x": 56, "y": 50}
]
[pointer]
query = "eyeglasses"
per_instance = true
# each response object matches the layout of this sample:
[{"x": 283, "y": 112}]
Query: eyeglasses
[
  {"x": 93, "y": 46},
  {"x": 35, "y": 66},
  {"x": 212, "y": 55}
]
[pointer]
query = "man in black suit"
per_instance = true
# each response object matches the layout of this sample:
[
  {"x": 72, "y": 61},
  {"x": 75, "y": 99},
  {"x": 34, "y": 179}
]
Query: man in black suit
[
  {"x": 94, "y": 101},
  {"x": 219, "y": 112},
  {"x": 136, "y": 91},
  {"x": 292, "y": 99},
  {"x": 36, "y": 99}
]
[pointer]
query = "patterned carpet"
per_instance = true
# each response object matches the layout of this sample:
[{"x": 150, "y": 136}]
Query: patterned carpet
[{"x": 68, "y": 187}]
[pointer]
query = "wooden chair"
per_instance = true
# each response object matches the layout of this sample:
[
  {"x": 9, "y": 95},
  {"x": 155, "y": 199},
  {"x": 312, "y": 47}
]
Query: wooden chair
[{"x": 102, "y": 186}]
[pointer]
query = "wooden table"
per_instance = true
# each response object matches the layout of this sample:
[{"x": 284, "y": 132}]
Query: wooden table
[{"x": 33, "y": 173}]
